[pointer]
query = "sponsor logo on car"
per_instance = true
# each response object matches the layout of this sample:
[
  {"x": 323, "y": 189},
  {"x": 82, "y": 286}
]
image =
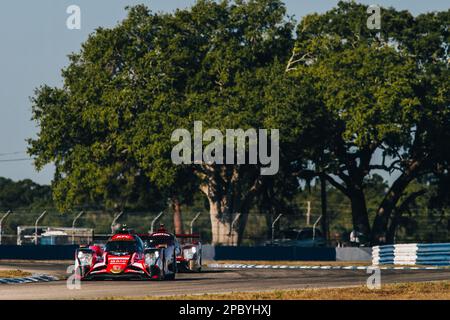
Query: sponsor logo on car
[{"x": 116, "y": 269}]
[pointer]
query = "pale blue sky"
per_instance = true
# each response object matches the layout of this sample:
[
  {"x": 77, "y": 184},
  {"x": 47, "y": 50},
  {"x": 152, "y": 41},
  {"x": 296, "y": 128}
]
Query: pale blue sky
[{"x": 34, "y": 43}]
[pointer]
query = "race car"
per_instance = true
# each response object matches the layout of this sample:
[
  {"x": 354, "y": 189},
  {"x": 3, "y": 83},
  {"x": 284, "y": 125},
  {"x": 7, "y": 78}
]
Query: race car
[
  {"x": 125, "y": 256},
  {"x": 164, "y": 248},
  {"x": 190, "y": 258}
]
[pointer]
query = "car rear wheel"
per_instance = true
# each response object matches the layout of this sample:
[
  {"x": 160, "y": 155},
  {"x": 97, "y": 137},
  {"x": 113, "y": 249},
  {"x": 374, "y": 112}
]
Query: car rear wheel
[
  {"x": 174, "y": 264},
  {"x": 163, "y": 275},
  {"x": 170, "y": 277}
]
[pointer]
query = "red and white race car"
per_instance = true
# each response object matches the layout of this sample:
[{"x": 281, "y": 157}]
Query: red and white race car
[
  {"x": 190, "y": 257},
  {"x": 127, "y": 256}
]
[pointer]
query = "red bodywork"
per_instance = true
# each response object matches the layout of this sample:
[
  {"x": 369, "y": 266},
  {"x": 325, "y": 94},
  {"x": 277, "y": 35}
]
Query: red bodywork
[{"x": 95, "y": 262}]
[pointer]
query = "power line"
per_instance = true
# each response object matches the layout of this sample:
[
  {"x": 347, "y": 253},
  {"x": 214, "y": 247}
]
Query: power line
[
  {"x": 17, "y": 160},
  {"x": 11, "y": 153}
]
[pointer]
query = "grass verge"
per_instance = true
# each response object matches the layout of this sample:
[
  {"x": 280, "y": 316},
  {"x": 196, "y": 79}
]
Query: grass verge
[{"x": 403, "y": 291}]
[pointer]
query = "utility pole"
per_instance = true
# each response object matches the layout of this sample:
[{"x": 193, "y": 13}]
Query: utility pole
[
  {"x": 323, "y": 196},
  {"x": 308, "y": 214}
]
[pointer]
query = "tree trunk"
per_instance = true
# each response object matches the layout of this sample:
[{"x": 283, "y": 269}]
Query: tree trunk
[
  {"x": 222, "y": 187},
  {"x": 387, "y": 206},
  {"x": 353, "y": 190},
  {"x": 221, "y": 221},
  {"x": 177, "y": 216},
  {"x": 359, "y": 211},
  {"x": 398, "y": 212}
]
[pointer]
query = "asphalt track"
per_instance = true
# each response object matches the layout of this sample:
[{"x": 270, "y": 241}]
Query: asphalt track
[{"x": 209, "y": 281}]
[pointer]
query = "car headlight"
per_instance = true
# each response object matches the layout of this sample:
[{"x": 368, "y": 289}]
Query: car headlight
[
  {"x": 188, "y": 254},
  {"x": 85, "y": 258},
  {"x": 151, "y": 257},
  {"x": 194, "y": 249}
]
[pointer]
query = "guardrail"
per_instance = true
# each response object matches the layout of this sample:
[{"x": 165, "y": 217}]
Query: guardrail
[
  {"x": 31, "y": 252},
  {"x": 275, "y": 253},
  {"x": 437, "y": 254},
  {"x": 285, "y": 253},
  {"x": 66, "y": 252}
]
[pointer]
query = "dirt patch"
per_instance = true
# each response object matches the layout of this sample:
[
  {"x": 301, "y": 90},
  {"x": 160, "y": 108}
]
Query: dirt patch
[{"x": 13, "y": 274}]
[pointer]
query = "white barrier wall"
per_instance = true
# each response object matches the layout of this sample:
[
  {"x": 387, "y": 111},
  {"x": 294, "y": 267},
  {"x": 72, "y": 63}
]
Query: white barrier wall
[{"x": 437, "y": 254}]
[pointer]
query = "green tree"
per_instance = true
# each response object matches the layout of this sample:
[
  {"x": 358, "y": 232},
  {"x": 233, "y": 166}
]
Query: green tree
[
  {"x": 383, "y": 90},
  {"x": 131, "y": 86},
  {"x": 23, "y": 194}
]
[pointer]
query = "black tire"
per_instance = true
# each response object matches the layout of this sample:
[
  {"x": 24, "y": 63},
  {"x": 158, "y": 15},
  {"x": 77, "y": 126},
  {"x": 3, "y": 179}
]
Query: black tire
[
  {"x": 162, "y": 275},
  {"x": 170, "y": 277},
  {"x": 173, "y": 266}
]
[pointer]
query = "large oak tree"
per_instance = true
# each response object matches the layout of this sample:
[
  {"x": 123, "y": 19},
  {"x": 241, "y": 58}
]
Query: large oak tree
[
  {"x": 382, "y": 91},
  {"x": 109, "y": 127}
]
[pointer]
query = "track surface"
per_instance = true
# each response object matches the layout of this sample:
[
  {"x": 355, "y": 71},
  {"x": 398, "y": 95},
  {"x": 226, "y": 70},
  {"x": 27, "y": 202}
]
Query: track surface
[{"x": 210, "y": 281}]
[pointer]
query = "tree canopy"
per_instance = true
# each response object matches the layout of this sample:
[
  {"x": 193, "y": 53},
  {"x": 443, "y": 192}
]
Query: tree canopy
[
  {"x": 339, "y": 93},
  {"x": 382, "y": 91}
]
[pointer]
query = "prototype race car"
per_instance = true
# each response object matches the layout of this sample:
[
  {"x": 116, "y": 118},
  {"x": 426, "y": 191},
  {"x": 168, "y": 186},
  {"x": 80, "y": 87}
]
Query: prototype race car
[
  {"x": 126, "y": 256},
  {"x": 190, "y": 258},
  {"x": 163, "y": 248}
]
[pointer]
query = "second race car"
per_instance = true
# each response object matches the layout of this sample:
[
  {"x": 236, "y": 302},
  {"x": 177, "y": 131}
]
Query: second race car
[{"x": 190, "y": 257}]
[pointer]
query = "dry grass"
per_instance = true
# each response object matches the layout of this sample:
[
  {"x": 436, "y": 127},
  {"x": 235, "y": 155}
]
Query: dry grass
[
  {"x": 403, "y": 291},
  {"x": 296, "y": 263},
  {"x": 13, "y": 274}
]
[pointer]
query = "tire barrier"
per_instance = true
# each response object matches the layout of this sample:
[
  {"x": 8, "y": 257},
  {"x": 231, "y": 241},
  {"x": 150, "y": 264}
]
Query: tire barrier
[{"x": 437, "y": 254}]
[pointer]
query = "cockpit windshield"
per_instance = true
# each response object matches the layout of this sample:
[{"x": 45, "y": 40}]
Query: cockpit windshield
[
  {"x": 121, "y": 247},
  {"x": 154, "y": 241}
]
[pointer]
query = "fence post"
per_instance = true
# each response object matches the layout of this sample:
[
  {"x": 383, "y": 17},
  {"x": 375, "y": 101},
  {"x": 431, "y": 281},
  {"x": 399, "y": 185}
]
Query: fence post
[
  {"x": 154, "y": 220},
  {"x": 73, "y": 225},
  {"x": 232, "y": 227},
  {"x": 314, "y": 227},
  {"x": 1, "y": 224},
  {"x": 115, "y": 220},
  {"x": 36, "y": 225},
  {"x": 193, "y": 220},
  {"x": 273, "y": 226}
]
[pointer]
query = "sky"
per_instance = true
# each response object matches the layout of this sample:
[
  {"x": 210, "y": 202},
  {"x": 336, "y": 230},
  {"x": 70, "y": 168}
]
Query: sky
[{"x": 35, "y": 42}]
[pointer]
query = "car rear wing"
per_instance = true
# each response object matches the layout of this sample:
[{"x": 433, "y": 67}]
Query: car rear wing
[
  {"x": 185, "y": 239},
  {"x": 188, "y": 236},
  {"x": 148, "y": 236}
]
